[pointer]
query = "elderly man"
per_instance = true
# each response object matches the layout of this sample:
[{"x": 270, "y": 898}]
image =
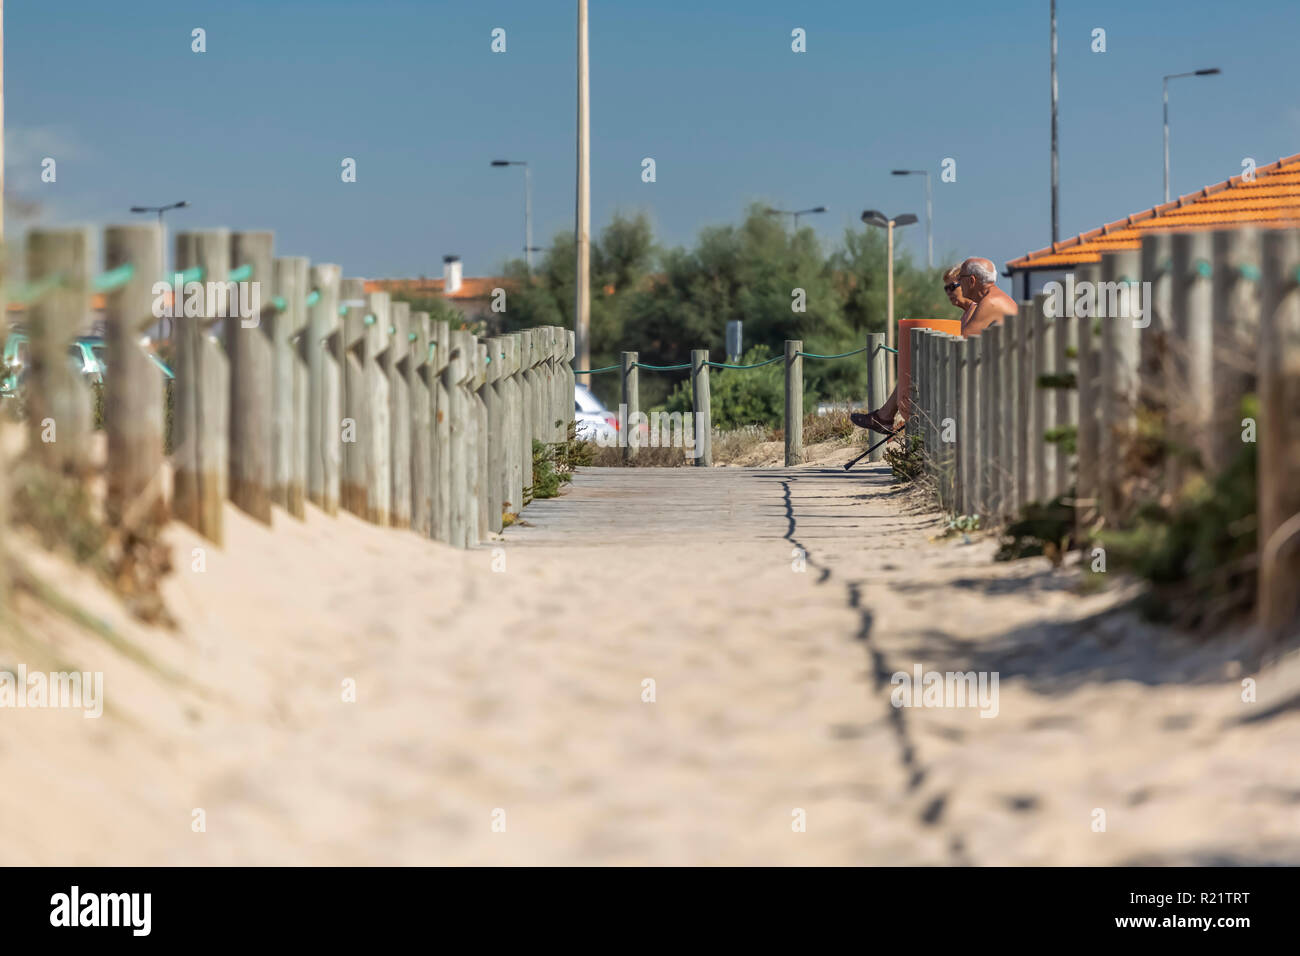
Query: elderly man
[{"x": 973, "y": 288}]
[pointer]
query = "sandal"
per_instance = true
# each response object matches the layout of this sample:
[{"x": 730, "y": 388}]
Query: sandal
[{"x": 872, "y": 421}]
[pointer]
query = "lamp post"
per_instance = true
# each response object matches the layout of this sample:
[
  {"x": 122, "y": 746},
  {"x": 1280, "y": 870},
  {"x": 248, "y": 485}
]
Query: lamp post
[
  {"x": 795, "y": 213},
  {"x": 929, "y": 212},
  {"x": 1214, "y": 71},
  {"x": 873, "y": 217},
  {"x": 162, "y": 244},
  {"x": 528, "y": 207}
]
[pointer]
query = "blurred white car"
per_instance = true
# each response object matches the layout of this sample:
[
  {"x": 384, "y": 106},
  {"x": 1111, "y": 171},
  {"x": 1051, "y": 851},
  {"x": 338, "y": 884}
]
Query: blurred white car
[{"x": 594, "y": 420}]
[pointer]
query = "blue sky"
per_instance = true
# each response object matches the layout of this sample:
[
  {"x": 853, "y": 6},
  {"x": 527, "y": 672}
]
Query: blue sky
[{"x": 253, "y": 131}]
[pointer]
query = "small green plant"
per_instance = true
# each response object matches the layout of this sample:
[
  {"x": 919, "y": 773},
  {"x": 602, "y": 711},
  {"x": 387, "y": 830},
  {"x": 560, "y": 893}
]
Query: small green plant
[
  {"x": 906, "y": 459},
  {"x": 555, "y": 462},
  {"x": 1041, "y": 529},
  {"x": 1067, "y": 436}
]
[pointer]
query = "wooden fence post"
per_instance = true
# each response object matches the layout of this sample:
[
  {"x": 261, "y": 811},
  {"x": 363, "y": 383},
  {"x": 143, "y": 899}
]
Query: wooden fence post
[
  {"x": 559, "y": 347},
  {"x": 421, "y": 440},
  {"x": 454, "y": 377},
  {"x": 1234, "y": 337},
  {"x": 323, "y": 349},
  {"x": 287, "y": 318},
  {"x": 377, "y": 438},
  {"x": 356, "y": 415},
  {"x": 134, "y": 391},
  {"x": 59, "y": 406},
  {"x": 248, "y": 344},
  {"x": 399, "y": 404},
  {"x": 793, "y": 401},
  {"x": 1066, "y": 400},
  {"x": 1278, "y": 598},
  {"x": 631, "y": 397},
  {"x": 971, "y": 437},
  {"x": 493, "y": 398},
  {"x": 1153, "y": 335},
  {"x": 1011, "y": 414},
  {"x": 703, "y": 413},
  {"x": 527, "y": 384},
  {"x": 514, "y": 427},
  {"x": 915, "y": 417},
  {"x": 1119, "y": 368},
  {"x": 1043, "y": 413},
  {"x": 1190, "y": 344},
  {"x": 482, "y": 480},
  {"x": 923, "y": 375},
  {"x": 943, "y": 420},
  {"x": 1026, "y": 388},
  {"x": 876, "y": 375},
  {"x": 569, "y": 380},
  {"x": 441, "y": 376},
  {"x": 992, "y": 417},
  {"x": 1087, "y": 490}
]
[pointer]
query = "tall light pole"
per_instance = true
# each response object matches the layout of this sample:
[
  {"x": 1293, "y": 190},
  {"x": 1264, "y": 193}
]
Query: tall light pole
[
  {"x": 528, "y": 207},
  {"x": 1214, "y": 71},
  {"x": 582, "y": 224},
  {"x": 795, "y": 213},
  {"x": 162, "y": 242},
  {"x": 929, "y": 212},
  {"x": 1056, "y": 156},
  {"x": 874, "y": 218}
]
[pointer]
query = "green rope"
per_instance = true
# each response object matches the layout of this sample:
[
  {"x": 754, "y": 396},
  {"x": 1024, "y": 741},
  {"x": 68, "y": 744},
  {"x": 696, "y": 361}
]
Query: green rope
[
  {"x": 192, "y": 274},
  {"x": 313, "y": 298},
  {"x": 1204, "y": 269},
  {"x": 31, "y": 292},
  {"x": 369, "y": 319},
  {"x": 591, "y": 371},
  {"x": 279, "y": 303},
  {"x": 241, "y": 274},
  {"x": 888, "y": 349},
  {"x": 657, "y": 368},
  {"x": 113, "y": 278},
  {"x": 841, "y": 355},
  {"x": 755, "y": 365},
  {"x": 1248, "y": 272},
  {"x": 410, "y": 336}
]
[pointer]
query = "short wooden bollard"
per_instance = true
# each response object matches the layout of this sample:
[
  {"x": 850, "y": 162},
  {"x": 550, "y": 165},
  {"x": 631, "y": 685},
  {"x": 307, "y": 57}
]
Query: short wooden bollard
[
  {"x": 700, "y": 402},
  {"x": 793, "y": 402},
  {"x": 1277, "y": 597},
  {"x": 631, "y": 399},
  {"x": 1234, "y": 337},
  {"x": 133, "y": 394},
  {"x": 248, "y": 345},
  {"x": 399, "y": 404},
  {"x": 287, "y": 319},
  {"x": 323, "y": 347},
  {"x": 201, "y": 392},
  {"x": 877, "y": 358},
  {"x": 59, "y": 405},
  {"x": 441, "y": 375},
  {"x": 421, "y": 440}
]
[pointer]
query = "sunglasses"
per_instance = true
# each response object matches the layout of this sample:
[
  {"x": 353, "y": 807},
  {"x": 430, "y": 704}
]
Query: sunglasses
[{"x": 950, "y": 286}]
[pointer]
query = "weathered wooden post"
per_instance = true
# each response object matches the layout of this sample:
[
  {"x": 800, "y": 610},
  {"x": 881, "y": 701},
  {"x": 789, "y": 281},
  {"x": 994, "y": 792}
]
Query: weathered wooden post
[
  {"x": 442, "y": 375},
  {"x": 397, "y": 365},
  {"x": 559, "y": 411},
  {"x": 1043, "y": 412},
  {"x": 793, "y": 401},
  {"x": 570, "y": 398},
  {"x": 972, "y": 388},
  {"x": 1087, "y": 485},
  {"x": 527, "y": 387},
  {"x": 59, "y": 405},
  {"x": 323, "y": 349},
  {"x": 375, "y": 363},
  {"x": 1116, "y": 300},
  {"x": 1234, "y": 337},
  {"x": 287, "y": 320},
  {"x": 248, "y": 344},
  {"x": 133, "y": 394},
  {"x": 1026, "y": 388},
  {"x": 454, "y": 376},
  {"x": 952, "y": 414},
  {"x": 915, "y": 417},
  {"x": 923, "y": 375},
  {"x": 494, "y": 400},
  {"x": 1066, "y": 400},
  {"x": 514, "y": 436},
  {"x": 421, "y": 435},
  {"x": 1278, "y": 598},
  {"x": 1153, "y": 334},
  {"x": 631, "y": 398},
  {"x": 201, "y": 390},
  {"x": 876, "y": 375},
  {"x": 703, "y": 413},
  {"x": 1190, "y": 345},
  {"x": 353, "y": 431},
  {"x": 992, "y": 418},
  {"x": 1012, "y": 422},
  {"x": 944, "y": 421},
  {"x": 482, "y": 479}
]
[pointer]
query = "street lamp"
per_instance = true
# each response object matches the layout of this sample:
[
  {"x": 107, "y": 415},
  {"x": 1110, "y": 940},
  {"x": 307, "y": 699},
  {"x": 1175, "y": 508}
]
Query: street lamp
[
  {"x": 929, "y": 212},
  {"x": 1165, "y": 86},
  {"x": 796, "y": 213},
  {"x": 873, "y": 217},
  {"x": 162, "y": 244},
  {"x": 528, "y": 207}
]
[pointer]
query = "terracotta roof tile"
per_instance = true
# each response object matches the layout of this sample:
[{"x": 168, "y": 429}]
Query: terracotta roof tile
[
  {"x": 1272, "y": 199},
  {"x": 471, "y": 287}
]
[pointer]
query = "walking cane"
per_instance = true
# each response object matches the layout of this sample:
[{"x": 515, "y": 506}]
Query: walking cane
[{"x": 874, "y": 447}]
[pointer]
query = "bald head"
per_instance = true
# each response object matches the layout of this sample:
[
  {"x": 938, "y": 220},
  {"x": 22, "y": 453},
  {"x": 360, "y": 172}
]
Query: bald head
[{"x": 980, "y": 269}]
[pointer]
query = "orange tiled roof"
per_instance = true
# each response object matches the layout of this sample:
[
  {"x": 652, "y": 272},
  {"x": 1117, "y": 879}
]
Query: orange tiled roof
[
  {"x": 471, "y": 287},
  {"x": 1272, "y": 199}
]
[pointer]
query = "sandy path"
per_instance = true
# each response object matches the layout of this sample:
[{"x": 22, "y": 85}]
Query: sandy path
[{"x": 520, "y": 689}]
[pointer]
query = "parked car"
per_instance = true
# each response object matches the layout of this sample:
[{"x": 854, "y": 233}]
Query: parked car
[
  {"x": 87, "y": 355},
  {"x": 595, "y": 422}
]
